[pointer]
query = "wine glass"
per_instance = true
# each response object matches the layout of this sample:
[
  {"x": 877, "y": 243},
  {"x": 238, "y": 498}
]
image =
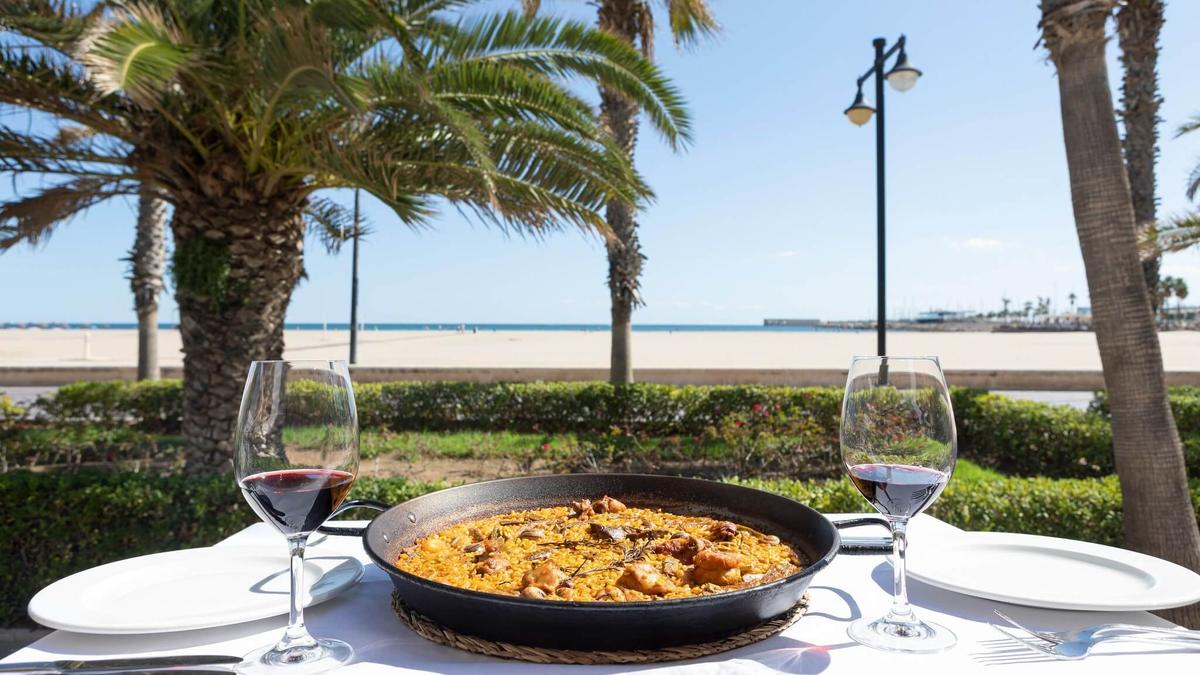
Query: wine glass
[
  {"x": 899, "y": 446},
  {"x": 296, "y": 456}
]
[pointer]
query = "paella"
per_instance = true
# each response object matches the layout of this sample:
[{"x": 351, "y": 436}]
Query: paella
[{"x": 600, "y": 551}]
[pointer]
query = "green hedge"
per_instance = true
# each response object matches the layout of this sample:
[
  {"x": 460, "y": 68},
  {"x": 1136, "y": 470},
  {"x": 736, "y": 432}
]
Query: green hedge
[
  {"x": 1076, "y": 508},
  {"x": 1018, "y": 437},
  {"x": 553, "y": 407},
  {"x": 59, "y": 523},
  {"x": 1028, "y": 438},
  {"x": 149, "y": 406},
  {"x": 1185, "y": 405}
]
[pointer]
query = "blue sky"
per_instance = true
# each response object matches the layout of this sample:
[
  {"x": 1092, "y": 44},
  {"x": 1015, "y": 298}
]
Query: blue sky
[{"x": 772, "y": 210}]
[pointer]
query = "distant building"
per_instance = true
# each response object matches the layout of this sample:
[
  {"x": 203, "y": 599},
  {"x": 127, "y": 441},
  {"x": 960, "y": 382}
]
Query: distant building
[
  {"x": 791, "y": 322},
  {"x": 943, "y": 315}
]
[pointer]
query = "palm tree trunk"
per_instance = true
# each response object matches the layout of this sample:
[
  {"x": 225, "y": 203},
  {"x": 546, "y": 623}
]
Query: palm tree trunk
[
  {"x": 1139, "y": 23},
  {"x": 147, "y": 261},
  {"x": 1158, "y": 513},
  {"x": 235, "y": 268},
  {"x": 620, "y": 115}
]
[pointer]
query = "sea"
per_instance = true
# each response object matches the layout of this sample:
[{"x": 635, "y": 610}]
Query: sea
[{"x": 486, "y": 327}]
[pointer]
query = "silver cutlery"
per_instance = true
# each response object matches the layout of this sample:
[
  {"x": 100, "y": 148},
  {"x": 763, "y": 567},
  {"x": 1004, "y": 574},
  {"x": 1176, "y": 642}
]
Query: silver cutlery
[
  {"x": 121, "y": 665},
  {"x": 1076, "y": 644},
  {"x": 1087, "y": 633}
]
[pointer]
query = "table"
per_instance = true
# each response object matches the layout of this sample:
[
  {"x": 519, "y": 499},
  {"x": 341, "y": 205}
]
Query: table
[{"x": 852, "y": 586}]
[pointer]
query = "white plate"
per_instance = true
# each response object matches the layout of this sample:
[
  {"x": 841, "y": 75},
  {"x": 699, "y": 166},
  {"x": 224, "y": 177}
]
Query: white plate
[
  {"x": 185, "y": 590},
  {"x": 1037, "y": 571}
]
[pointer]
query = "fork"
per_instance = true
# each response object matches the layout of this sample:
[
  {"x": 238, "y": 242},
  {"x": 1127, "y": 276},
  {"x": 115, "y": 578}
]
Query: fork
[
  {"x": 1106, "y": 631},
  {"x": 1077, "y": 649}
]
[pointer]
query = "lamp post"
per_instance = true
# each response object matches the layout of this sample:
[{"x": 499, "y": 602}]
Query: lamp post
[
  {"x": 902, "y": 77},
  {"x": 354, "y": 286}
]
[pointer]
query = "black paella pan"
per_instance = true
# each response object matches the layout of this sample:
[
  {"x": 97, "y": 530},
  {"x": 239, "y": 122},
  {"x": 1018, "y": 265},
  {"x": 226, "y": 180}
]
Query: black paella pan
[{"x": 602, "y": 625}]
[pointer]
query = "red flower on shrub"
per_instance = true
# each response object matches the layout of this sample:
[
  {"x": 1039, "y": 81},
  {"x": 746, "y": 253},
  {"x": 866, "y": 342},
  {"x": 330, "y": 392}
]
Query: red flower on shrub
[
  {"x": 545, "y": 446},
  {"x": 737, "y": 423},
  {"x": 757, "y": 407}
]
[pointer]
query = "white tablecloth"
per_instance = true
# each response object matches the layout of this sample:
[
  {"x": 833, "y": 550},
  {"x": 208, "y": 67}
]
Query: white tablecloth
[{"x": 851, "y": 587}]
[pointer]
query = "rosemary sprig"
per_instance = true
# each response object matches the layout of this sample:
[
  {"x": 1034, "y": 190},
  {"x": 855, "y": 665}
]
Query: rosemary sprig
[{"x": 629, "y": 554}]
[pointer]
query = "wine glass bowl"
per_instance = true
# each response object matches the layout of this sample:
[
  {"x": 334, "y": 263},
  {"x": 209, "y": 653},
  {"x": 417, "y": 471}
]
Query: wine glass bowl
[
  {"x": 296, "y": 458},
  {"x": 899, "y": 446}
]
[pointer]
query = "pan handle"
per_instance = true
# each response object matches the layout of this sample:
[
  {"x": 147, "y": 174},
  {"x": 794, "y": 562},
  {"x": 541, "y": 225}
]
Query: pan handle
[
  {"x": 347, "y": 506},
  {"x": 864, "y": 546}
]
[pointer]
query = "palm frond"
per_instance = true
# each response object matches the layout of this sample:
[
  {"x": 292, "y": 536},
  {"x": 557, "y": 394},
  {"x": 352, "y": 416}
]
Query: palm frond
[
  {"x": 1189, "y": 126},
  {"x": 295, "y": 74},
  {"x": 376, "y": 169},
  {"x": 55, "y": 25},
  {"x": 498, "y": 90},
  {"x": 556, "y": 47},
  {"x": 38, "y": 82},
  {"x": 33, "y": 219},
  {"x": 74, "y": 151},
  {"x": 332, "y": 224},
  {"x": 138, "y": 51},
  {"x": 1179, "y": 233},
  {"x": 692, "y": 21},
  {"x": 1193, "y": 182},
  {"x": 397, "y": 90},
  {"x": 591, "y": 174}
]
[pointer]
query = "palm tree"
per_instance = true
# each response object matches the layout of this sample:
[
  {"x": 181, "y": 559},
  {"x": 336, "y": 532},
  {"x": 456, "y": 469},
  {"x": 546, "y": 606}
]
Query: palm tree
[
  {"x": 1159, "y": 519},
  {"x": 632, "y": 21},
  {"x": 1139, "y": 23},
  {"x": 1169, "y": 287},
  {"x": 1006, "y": 302},
  {"x": 147, "y": 261},
  {"x": 1071, "y": 298},
  {"x": 239, "y": 111},
  {"x": 1180, "y": 291}
]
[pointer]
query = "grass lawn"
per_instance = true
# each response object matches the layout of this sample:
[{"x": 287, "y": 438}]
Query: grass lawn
[{"x": 473, "y": 455}]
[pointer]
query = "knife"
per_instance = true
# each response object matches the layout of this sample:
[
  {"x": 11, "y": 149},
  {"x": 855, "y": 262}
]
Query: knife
[{"x": 125, "y": 665}]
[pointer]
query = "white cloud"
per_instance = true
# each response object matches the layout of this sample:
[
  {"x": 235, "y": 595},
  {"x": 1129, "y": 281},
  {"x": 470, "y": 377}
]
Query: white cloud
[{"x": 977, "y": 244}]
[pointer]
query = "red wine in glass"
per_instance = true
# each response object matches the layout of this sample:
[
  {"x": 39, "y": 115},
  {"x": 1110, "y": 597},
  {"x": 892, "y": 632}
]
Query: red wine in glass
[
  {"x": 899, "y": 445},
  {"x": 898, "y": 490},
  {"x": 297, "y": 500},
  {"x": 296, "y": 458}
]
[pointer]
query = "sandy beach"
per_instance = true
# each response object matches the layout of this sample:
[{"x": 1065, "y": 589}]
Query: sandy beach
[{"x": 581, "y": 349}]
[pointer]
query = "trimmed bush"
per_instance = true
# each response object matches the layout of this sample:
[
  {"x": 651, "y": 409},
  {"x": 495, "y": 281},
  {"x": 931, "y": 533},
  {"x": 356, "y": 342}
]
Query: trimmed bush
[
  {"x": 26, "y": 445},
  {"x": 1087, "y": 509},
  {"x": 1019, "y": 437},
  {"x": 1185, "y": 406},
  {"x": 150, "y": 406},
  {"x": 59, "y": 523},
  {"x": 583, "y": 407},
  {"x": 549, "y": 407},
  {"x": 1029, "y": 438}
]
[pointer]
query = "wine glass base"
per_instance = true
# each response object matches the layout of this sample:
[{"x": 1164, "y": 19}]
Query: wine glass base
[
  {"x": 915, "y": 637},
  {"x": 325, "y": 656}
]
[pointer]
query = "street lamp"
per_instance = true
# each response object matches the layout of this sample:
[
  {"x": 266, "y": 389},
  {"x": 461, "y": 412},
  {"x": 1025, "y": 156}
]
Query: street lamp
[
  {"x": 354, "y": 285},
  {"x": 902, "y": 77}
]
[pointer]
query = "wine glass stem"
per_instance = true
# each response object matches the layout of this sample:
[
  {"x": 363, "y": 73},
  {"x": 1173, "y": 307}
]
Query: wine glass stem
[
  {"x": 296, "y": 634},
  {"x": 901, "y": 610}
]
